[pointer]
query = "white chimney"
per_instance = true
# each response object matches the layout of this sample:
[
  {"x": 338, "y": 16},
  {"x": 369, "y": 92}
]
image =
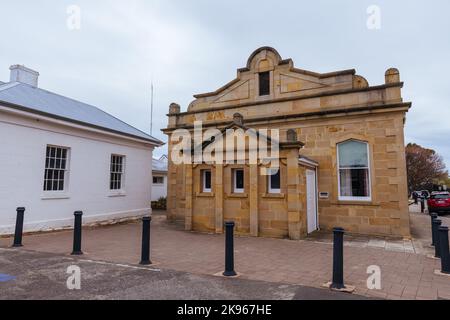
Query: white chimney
[{"x": 24, "y": 75}]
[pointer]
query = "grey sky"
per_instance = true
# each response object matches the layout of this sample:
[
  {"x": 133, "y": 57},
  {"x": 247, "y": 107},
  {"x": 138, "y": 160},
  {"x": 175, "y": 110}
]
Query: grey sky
[{"x": 195, "y": 46}]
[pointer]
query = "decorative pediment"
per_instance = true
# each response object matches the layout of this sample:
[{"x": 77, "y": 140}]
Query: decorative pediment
[
  {"x": 238, "y": 124},
  {"x": 285, "y": 81},
  {"x": 238, "y": 92},
  {"x": 294, "y": 83}
]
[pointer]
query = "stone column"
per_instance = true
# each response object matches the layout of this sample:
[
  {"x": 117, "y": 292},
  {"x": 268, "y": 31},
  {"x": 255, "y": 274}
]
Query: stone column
[
  {"x": 188, "y": 202},
  {"x": 293, "y": 194},
  {"x": 218, "y": 192},
  {"x": 253, "y": 197},
  {"x": 172, "y": 200}
]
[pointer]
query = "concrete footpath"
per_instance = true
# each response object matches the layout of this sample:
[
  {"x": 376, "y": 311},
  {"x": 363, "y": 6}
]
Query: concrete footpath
[
  {"x": 405, "y": 273},
  {"x": 42, "y": 276}
]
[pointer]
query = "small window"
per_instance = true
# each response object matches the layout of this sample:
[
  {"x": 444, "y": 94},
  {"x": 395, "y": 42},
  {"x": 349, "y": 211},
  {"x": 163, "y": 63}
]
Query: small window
[
  {"x": 274, "y": 185},
  {"x": 238, "y": 182},
  {"x": 117, "y": 172},
  {"x": 264, "y": 83},
  {"x": 354, "y": 171},
  {"x": 158, "y": 180},
  {"x": 206, "y": 181},
  {"x": 56, "y": 165}
]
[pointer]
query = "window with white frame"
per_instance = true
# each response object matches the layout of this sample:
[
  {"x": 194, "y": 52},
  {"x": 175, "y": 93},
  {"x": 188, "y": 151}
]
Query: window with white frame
[
  {"x": 158, "y": 180},
  {"x": 56, "y": 173},
  {"x": 206, "y": 181},
  {"x": 274, "y": 181},
  {"x": 238, "y": 181},
  {"x": 354, "y": 171},
  {"x": 117, "y": 172}
]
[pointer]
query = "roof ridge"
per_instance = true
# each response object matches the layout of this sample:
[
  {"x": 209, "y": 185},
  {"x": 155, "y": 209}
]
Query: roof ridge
[{"x": 8, "y": 85}]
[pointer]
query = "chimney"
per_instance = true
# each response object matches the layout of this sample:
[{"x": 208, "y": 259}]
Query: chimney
[{"x": 24, "y": 75}]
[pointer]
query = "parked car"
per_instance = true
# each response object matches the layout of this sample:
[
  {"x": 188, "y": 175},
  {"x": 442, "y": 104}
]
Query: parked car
[{"x": 439, "y": 202}]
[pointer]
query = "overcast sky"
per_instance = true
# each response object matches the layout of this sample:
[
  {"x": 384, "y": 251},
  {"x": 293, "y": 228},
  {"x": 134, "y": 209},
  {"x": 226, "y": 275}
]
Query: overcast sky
[{"x": 195, "y": 46}]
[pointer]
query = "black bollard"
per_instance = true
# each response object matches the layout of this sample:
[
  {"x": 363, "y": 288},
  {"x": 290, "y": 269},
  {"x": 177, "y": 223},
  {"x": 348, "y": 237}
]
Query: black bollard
[
  {"x": 338, "y": 259},
  {"x": 434, "y": 216},
  {"x": 445, "y": 253},
  {"x": 422, "y": 205},
  {"x": 437, "y": 245},
  {"x": 77, "y": 233},
  {"x": 18, "y": 234},
  {"x": 145, "y": 255},
  {"x": 229, "y": 250}
]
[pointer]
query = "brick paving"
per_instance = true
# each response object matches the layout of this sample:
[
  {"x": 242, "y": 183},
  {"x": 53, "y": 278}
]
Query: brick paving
[{"x": 405, "y": 274}]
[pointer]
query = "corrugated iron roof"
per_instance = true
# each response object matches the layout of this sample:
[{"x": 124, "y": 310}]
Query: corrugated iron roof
[
  {"x": 160, "y": 165},
  {"x": 36, "y": 100}
]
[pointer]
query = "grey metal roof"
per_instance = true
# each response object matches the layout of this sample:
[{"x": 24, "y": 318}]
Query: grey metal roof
[
  {"x": 35, "y": 100},
  {"x": 160, "y": 165}
]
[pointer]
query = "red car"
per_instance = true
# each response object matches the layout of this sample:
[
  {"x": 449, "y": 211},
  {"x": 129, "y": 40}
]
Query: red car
[{"x": 439, "y": 203}]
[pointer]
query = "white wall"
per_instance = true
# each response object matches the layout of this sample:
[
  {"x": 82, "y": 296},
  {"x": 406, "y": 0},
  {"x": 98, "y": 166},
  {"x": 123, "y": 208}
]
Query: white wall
[
  {"x": 159, "y": 190},
  {"x": 23, "y": 143}
]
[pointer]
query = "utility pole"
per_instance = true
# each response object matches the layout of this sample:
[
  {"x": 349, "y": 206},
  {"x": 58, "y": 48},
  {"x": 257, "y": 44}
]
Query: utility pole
[{"x": 151, "y": 121}]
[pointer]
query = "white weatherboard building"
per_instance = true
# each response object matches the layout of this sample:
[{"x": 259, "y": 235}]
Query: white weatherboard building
[
  {"x": 160, "y": 170},
  {"x": 59, "y": 155}
]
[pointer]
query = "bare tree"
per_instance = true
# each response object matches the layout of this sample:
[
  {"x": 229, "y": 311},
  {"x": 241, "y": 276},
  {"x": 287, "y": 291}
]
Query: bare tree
[{"x": 425, "y": 167}]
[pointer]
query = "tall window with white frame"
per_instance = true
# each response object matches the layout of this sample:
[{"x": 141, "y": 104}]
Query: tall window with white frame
[
  {"x": 238, "y": 181},
  {"x": 274, "y": 182},
  {"x": 56, "y": 169},
  {"x": 354, "y": 171},
  {"x": 206, "y": 181},
  {"x": 117, "y": 172}
]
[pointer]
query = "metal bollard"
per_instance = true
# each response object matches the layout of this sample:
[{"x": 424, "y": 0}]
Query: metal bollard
[
  {"x": 18, "y": 234},
  {"x": 338, "y": 259},
  {"x": 422, "y": 205},
  {"x": 445, "y": 253},
  {"x": 437, "y": 246},
  {"x": 145, "y": 254},
  {"x": 434, "y": 216},
  {"x": 77, "y": 233},
  {"x": 229, "y": 250}
]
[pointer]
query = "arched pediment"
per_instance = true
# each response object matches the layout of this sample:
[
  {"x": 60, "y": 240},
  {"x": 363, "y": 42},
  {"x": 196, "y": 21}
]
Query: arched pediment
[
  {"x": 263, "y": 59},
  {"x": 286, "y": 82}
]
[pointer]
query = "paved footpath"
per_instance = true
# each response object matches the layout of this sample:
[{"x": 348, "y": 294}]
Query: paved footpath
[
  {"x": 43, "y": 276},
  {"x": 405, "y": 275}
]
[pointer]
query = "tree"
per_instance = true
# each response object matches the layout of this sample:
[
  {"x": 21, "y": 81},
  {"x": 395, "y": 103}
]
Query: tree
[{"x": 425, "y": 168}]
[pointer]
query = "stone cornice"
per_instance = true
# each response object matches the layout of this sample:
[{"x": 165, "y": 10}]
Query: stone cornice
[
  {"x": 404, "y": 106},
  {"x": 287, "y": 99}
]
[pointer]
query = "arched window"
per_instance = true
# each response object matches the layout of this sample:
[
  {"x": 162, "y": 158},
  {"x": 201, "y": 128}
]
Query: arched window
[{"x": 354, "y": 171}]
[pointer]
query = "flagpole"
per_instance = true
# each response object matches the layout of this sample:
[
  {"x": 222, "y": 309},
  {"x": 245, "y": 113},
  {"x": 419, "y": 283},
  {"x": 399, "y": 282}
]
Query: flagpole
[{"x": 151, "y": 122}]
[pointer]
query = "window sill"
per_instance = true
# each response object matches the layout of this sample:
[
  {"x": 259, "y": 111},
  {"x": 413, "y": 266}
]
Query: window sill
[
  {"x": 237, "y": 195},
  {"x": 274, "y": 196},
  {"x": 355, "y": 203},
  {"x": 204, "y": 194},
  {"x": 117, "y": 194},
  {"x": 55, "y": 196}
]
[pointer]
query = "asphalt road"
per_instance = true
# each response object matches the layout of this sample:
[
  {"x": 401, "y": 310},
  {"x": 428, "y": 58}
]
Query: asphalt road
[{"x": 26, "y": 275}]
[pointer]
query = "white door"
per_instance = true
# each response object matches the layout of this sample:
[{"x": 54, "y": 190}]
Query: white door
[{"x": 311, "y": 200}]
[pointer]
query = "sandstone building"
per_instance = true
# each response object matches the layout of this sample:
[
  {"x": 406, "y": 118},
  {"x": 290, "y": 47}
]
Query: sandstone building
[{"x": 342, "y": 159}]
